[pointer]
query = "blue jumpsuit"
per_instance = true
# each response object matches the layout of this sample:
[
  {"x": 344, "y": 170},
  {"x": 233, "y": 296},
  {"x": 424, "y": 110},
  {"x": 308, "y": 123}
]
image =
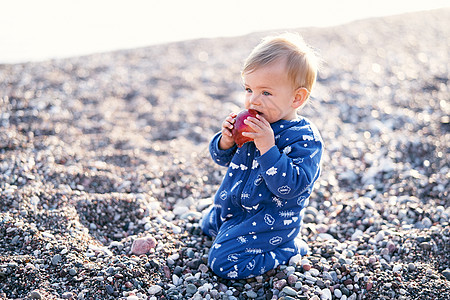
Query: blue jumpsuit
[{"x": 258, "y": 208}]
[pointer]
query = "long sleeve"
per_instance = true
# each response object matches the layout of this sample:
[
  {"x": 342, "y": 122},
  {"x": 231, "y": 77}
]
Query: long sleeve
[
  {"x": 221, "y": 157},
  {"x": 291, "y": 170}
]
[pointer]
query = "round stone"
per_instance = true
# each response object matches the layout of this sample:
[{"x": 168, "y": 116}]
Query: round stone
[
  {"x": 251, "y": 294},
  {"x": 35, "y": 295},
  {"x": 191, "y": 289},
  {"x": 338, "y": 293},
  {"x": 289, "y": 291}
]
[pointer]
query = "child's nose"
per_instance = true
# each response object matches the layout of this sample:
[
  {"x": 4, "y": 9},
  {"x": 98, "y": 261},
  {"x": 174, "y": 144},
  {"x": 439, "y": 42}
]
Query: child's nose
[{"x": 255, "y": 99}]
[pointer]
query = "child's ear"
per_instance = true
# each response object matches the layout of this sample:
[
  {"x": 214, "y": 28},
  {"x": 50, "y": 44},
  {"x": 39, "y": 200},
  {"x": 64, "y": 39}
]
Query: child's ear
[{"x": 301, "y": 95}]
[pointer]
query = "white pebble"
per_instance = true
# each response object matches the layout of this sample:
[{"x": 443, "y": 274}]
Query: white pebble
[
  {"x": 397, "y": 267},
  {"x": 326, "y": 294},
  {"x": 314, "y": 272},
  {"x": 154, "y": 289},
  {"x": 176, "y": 280},
  {"x": 338, "y": 293}
]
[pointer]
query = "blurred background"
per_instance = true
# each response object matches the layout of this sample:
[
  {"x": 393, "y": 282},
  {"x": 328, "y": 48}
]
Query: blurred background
[{"x": 38, "y": 30}]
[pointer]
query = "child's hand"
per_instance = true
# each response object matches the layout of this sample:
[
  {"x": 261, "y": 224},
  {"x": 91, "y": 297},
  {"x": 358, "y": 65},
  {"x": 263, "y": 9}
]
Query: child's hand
[
  {"x": 263, "y": 135},
  {"x": 227, "y": 141}
]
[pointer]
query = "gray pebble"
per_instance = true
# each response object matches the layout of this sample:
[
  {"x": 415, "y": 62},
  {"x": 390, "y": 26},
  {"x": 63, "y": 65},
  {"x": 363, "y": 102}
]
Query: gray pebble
[
  {"x": 56, "y": 259},
  {"x": 72, "y": 271},
  {"x": 191, "y": 289},
  {"x": 67, "y": 295},
  {"x": 251, "y": 294},
  {"x": 289, "y": 291},
  {"x": 110, "y": 289},
  {"x": 35, "y": 295},
  {"x": 446, "y": 274}
]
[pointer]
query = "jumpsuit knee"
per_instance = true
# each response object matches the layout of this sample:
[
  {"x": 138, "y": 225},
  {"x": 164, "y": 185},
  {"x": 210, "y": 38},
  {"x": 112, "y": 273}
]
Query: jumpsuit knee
[{"x": 235, "y": 255}]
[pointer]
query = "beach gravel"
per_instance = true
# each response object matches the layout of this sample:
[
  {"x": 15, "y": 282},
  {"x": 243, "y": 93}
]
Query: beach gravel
[{"x": 102, "y": 151}]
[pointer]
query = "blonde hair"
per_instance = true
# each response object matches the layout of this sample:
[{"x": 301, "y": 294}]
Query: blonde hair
[{"x": 301, "y": 60}]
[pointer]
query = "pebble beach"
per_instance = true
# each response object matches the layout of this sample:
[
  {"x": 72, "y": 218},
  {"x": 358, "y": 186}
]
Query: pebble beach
[{"x": 102, "y": 150}]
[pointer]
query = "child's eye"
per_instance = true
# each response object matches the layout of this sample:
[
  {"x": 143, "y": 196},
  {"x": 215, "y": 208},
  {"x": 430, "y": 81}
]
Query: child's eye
[
  {"x": 266, "y": 93},
  {"x": 248, "y": 90}
]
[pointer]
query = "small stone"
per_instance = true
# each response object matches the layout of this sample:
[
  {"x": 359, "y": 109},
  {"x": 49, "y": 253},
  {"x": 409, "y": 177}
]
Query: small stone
[
  {"x": 35, "y": 295},
  {"x": 320, "y": 283},
  {"x": 178, "y": 271},
  {"x": 326, "y": 294},
  {"x": 357, "y": 234},
  {"x": 191, "y": 289},
  {"x": 15, "y": 240},
  {"x": 174, "y": 257},
  {"x": 391, "y": 246},
  {"x": 176, "y": 280},
  {"x": 314, "y": 272},
  {"x": 67, "y": 295},
  {"x": 289, "y": 291},
  {"x": 327, "y": 276},
  {"x": 411, "y": 267},
  {"x": 306, "y": 264},
  {"x": 425, "y": 245},
  {"x": 143, "y": 245},
  {"x": 280, "y": 284},
  {"x": 205, "y": 287},
  {"x": 337, "y": 293},
  {"x": 190, "y": 253},
  {"x": 128, "y": 285},
  {"x": 333, "y": 275},
  {"x": 56, "y": 259},
  {"x": 294, "y": 260},
  {"x": 110, "y": 289},
  {"x": 72, "y": 271},
  {"x": 203, "y": 268},
  {"x": 446, "y": 274},
  {"x": 380, "y": 236},
  {"x": 289, "y": 270},
  {"x": 426, "y": 222},
  {"x": 292, "y": 279},
  {"x": 396, "y": 267},
  {"x": 154, "y": 289},
  {"x": 310, "y": 279},
  {"x": 166, "y": 271},
  {"x": 251, "y": 294},
  {"x": 194, "y": 264}
]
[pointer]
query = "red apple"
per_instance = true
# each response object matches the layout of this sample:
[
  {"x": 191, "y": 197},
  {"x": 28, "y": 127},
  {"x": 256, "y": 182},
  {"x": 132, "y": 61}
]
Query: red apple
[{"x": 239, "y": 127}]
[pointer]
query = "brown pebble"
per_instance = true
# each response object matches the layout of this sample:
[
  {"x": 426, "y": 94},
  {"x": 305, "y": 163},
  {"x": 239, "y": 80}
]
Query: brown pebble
[
  {"x": 280, "y": 284},
  {"x": 166, "y": 271},
  {"x": 143, "y": 245}
]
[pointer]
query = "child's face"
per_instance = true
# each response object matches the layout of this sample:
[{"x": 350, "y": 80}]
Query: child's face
[{"x": 269, "y": 91}]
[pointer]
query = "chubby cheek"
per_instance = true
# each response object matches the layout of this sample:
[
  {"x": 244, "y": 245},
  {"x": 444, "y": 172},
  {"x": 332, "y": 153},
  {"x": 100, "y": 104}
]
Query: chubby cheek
[{"x": 247, "y": 102}]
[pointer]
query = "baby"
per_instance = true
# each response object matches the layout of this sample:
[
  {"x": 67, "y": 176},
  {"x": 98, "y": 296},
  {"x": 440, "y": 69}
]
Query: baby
[{"x": 258, "y": 209}]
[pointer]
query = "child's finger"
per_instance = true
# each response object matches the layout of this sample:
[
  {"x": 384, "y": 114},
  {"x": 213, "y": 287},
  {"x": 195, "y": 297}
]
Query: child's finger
[{"x": 227, "y": 125}]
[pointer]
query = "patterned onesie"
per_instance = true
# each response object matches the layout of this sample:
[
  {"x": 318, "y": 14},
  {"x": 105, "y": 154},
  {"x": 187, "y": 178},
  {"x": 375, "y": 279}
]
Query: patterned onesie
[{"x": 258, "y": 208}]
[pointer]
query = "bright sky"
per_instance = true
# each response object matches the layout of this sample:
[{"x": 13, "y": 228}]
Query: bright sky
[{"x": 42, "y": 29}]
